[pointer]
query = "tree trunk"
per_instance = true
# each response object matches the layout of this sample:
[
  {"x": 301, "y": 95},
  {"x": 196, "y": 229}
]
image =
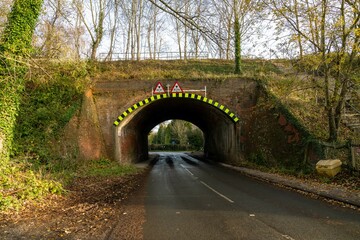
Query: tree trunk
[
  {"x": 298, "y": 35},
  {"x": 228, "y": 39},
  {"x": 113, "y": 31},
  {"x": 138, "y": 30},
  {"x": 196, "y": 33},
  {"x": 178, "y": 35},
  {"x": 99, "y": 28},
  {"x": 97, "y": 23},
  {"x": 328, "y": 101},
  {"x": 155, "y": 32},
  {"x": 77, "y": 36},
  {"x": 149, "y": 29},
  {"x": 237, "y": 39},
  {"x": 128, "y": 40},
  {"x": 186, "y": 31}
]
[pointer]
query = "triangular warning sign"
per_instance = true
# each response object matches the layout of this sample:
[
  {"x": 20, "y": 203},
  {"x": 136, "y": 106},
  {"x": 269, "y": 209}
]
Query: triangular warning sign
[
  {"x": 159, "y": 88},
  {"x": 176, "y": 88}
]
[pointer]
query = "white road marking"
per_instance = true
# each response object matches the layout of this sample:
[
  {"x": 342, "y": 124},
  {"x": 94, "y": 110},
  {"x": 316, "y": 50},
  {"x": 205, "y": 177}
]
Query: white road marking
[
  {"x": 221, "y": 195},
  {"x": 288, "y": 237},
  {"x": 187, "y": 170}
]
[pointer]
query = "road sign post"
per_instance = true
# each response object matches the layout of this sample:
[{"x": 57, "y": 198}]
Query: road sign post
[{"x": 197, "y": 90}]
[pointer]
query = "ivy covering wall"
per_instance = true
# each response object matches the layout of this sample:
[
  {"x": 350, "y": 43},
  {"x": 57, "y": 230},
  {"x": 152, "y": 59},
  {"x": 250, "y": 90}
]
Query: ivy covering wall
[{"x": 15, "y": 49}]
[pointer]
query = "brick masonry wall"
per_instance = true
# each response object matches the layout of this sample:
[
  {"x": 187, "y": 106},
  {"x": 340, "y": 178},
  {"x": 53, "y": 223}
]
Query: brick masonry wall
[{"x": 260, "y": 130}]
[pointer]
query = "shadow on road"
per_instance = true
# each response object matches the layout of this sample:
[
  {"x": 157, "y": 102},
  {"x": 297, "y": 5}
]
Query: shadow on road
[
  {"x": 170, "y": 162},
  {"x": 188, "y": 161}
]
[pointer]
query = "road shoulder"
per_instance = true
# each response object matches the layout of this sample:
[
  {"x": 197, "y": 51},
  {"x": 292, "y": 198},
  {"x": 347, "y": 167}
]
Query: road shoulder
[{"x": 327, "y": 191}]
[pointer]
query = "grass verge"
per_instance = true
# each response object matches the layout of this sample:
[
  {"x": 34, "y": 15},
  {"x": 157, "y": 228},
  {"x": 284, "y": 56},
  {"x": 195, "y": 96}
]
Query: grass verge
[{"x": 105, "y": 168}]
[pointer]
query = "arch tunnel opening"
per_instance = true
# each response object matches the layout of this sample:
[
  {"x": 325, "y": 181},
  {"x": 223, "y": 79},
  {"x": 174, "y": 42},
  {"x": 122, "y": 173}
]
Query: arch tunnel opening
[
  {"x": 176, "y": 135},
  {"x": 218, "y": 124}
]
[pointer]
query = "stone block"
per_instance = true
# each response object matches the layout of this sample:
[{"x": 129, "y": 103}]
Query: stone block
[{"x": 329, "y": 167}]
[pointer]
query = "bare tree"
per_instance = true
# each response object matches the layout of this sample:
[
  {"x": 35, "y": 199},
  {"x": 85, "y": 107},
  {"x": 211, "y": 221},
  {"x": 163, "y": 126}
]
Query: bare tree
[
  {"x": 225, "y": 16},
  {"x": 132, "y": 27},
  {"x": 54, "y": 33},
  {"x": 330, "y": 30},
  {"x": 139, "y": 29},
  {"x": 78, "y": 32},
  {"x": 246, "y": 12},
  {"x": 155, "y": 25},
  {"x": 94, "y": 23},
  {"x": 189, "y": 23},
  {"x": 151, "y": 30},
  {"x": 133, "y": 13},
  {"x": 198, "y": 10},
  {"x": 178, "y": 27},
  {"x": 246, "y": 15},
  {"x": 113, "y": 22}
]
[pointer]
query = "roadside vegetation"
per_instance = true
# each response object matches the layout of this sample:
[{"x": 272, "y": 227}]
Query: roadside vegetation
[{"x": 104, "y": 168}]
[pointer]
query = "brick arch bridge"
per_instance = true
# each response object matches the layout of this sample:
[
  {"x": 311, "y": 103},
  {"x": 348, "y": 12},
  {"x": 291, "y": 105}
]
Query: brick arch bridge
[{"x": 117, "y": 116}]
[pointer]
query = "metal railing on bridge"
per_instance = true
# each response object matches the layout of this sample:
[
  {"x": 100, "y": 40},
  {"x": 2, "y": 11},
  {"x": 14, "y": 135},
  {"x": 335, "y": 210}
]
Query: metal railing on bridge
[{"x": 156, "y": 56}]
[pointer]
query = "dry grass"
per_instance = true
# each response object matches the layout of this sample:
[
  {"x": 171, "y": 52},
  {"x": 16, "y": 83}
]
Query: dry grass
[{"x": 176, "y": 69}]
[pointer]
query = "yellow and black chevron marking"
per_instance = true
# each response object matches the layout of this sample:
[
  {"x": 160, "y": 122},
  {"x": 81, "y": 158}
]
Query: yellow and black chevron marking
[{"x": 176, "y": 95}]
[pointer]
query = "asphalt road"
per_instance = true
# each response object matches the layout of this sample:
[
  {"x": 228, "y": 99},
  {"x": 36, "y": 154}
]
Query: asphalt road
[{"x": 189, "y": 199}]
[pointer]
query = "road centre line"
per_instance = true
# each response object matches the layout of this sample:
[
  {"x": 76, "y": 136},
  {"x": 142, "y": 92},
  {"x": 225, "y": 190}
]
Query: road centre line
[
  {"x": 288, "y": 237},
  {"x": 221, "y": 195},
  {"x": 212, "y": 189},
  {"x": 187, "y": 170}
]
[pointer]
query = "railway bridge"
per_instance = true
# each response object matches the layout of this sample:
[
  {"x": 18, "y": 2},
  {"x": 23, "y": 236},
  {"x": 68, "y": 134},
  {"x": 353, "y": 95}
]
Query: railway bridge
[{"x": 117, "y": 117}]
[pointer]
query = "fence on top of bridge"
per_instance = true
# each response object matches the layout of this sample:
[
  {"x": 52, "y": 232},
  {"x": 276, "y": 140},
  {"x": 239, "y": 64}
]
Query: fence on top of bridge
[{"x": 154, "y": 56}]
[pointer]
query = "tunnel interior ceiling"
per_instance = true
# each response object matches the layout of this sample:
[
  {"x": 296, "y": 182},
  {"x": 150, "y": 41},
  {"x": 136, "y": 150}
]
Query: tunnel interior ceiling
[
  {"x": 218, "y": 127},
  {"x": 203, "y": 115}
]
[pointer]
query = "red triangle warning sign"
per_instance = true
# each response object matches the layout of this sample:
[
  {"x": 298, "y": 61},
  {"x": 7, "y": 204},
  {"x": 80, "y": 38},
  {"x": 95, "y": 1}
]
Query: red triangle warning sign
[
  {"x": 159, "y": 89},
  {"x": 176, "y": 88}
]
